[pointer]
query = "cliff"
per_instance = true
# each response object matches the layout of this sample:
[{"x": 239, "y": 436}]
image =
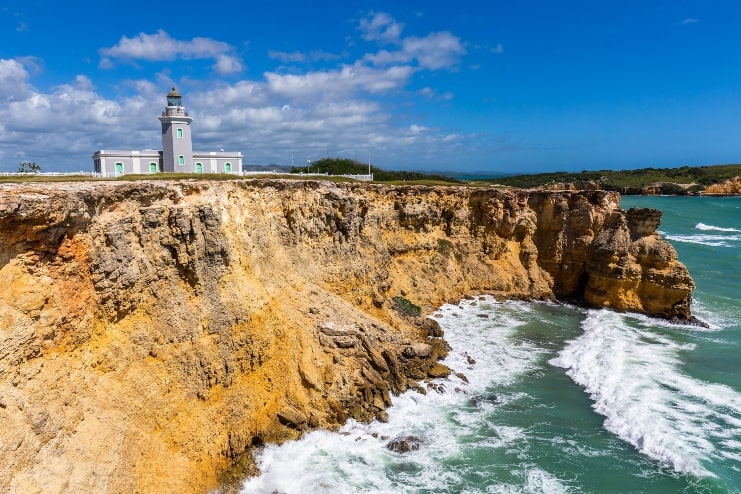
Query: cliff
[
  {"x": 152, "y": 332},
  {"x": 731, "y": 187}
]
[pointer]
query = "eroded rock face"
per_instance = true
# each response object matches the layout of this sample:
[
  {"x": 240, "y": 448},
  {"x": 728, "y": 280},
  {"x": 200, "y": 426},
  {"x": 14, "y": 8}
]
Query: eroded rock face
[
  {"x": 150, "y": 333},
  {"x": 731, "y": 187}
]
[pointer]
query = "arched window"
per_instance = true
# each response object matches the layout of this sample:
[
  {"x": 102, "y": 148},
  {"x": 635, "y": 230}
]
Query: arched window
[
  {"x": 199, "y": 168},
  {"x": 119, "y": 168},
  {"x": 228, "y": 168}
]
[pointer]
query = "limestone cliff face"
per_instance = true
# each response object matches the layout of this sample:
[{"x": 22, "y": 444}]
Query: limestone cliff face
[
  {"x": 731, "y": 187},
  {"x": 150, "y": 333}
]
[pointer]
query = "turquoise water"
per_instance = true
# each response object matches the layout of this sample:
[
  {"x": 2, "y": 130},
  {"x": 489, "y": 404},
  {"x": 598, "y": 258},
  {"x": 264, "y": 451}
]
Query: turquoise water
[{"x": 562, "y": 399}]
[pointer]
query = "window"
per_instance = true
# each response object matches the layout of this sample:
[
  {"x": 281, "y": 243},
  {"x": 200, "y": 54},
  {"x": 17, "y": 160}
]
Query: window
[
  {"x": 199, "y": 168},
  {"x": 181, "y": 160},
  {"x": 119, "y": 169},
  {"x": 153, "y": 167},
  {"x": 228, "y": 168},
  {"x": 180, "y": 133}
]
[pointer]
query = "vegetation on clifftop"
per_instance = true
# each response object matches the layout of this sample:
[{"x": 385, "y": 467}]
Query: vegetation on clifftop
[
  {"x": 699, "y": 176},
  {"x": 346, "y": 166}
]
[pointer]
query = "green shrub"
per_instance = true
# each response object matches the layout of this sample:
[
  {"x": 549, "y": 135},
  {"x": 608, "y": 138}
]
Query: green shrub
[{"x": 404, "y": 307}]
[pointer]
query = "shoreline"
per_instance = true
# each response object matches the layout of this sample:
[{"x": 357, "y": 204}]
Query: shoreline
[{"x": 197, "y": 319}]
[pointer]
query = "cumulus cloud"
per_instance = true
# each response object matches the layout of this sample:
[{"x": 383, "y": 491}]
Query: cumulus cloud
[
  {"x": 344, "y": 81},
  {"x": 380, "y": 26},
  {"x": 434, "y": 51},
  {"x": 340, "y": 110},
  {"x": 13, "y": 79},
  {"x": 228, "y": 64},
  {"x": 162, "y": 47}
]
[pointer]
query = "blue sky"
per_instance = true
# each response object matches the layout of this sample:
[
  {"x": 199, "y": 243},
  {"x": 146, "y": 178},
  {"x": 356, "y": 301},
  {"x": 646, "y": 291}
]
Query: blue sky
[{"x": 462, "y": 86}]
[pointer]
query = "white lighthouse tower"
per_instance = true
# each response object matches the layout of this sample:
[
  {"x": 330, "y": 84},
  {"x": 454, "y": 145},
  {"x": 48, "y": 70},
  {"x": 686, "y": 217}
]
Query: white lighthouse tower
[{"x": 177, "y": 145}]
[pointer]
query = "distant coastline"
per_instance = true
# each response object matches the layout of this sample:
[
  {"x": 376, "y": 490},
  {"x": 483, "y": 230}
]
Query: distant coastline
[{"x": 716, "y": 180}]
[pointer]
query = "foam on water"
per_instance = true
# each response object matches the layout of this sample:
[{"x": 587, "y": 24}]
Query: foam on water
[
  {"x": 448, "y": 424},
  {"x": 633, "y": 375},
  {"x": 704, "y": 239},
  {"x": 703, "y": 226}
]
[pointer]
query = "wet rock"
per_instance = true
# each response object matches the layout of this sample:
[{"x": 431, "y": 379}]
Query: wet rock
[
  {"x": 438, "y": 371},
  {"x": 482, "y": 398},
  {"x": 404, "y": 444},
  {"x": 462, "y": 377},
  {"x": 433, "y": 328}
]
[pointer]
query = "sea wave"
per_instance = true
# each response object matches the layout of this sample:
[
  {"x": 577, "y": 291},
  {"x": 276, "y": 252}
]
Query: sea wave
[
  {"x": 633, "y": 375},
  {"x": 704, "y": 239},
  {"x": 703, "y": 226},
  {"x": 452, "y": 426}
]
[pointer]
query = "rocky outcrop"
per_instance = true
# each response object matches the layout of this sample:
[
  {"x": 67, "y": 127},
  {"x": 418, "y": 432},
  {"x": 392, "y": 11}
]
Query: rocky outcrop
[
  {"x": 152, "y": 332},
  {"x": 731, "y": 187}
]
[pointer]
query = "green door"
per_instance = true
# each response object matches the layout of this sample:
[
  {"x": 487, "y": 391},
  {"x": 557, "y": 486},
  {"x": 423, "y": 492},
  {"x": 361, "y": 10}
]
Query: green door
[
  {"x": 119, "y": 169},
  {"x": 228, "y": 167},
  {"x": 199, "y": 168},
  {"x": 153, "y": 168}
]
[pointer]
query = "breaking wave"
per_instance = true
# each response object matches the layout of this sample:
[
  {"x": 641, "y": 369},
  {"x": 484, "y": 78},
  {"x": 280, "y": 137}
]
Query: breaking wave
[{"x": 633, "y": 375}]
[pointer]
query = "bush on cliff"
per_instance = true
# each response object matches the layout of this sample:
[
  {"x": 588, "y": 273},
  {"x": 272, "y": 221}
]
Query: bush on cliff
[{"x": 405, "y": 308}]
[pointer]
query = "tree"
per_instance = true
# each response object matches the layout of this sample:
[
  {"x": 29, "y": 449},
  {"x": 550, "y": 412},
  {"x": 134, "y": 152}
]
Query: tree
[{"x": 29, "y": 168}]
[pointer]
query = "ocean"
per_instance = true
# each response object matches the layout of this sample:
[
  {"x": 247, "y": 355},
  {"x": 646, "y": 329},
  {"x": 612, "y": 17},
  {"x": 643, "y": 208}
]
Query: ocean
[{"x": 561, "y": 399}]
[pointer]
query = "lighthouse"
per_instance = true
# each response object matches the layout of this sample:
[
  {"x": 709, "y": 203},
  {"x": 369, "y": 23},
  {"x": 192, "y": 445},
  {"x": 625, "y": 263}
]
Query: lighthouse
[
  {"x": 177, "y": 144},
  {"x": 177, "y": 153}
]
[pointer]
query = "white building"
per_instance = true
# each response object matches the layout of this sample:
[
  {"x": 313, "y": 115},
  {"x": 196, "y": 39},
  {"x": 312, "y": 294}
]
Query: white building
[{"x": 177, "y": 153}]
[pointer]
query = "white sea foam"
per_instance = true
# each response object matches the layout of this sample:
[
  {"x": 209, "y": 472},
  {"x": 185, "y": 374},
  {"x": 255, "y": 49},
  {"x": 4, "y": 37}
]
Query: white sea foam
[
  {"x": 704, "y": 239},
  {"x": 634, "y": 377},
  {"x": 703, "y": 226},
  {"x": 356, "y": 459}
]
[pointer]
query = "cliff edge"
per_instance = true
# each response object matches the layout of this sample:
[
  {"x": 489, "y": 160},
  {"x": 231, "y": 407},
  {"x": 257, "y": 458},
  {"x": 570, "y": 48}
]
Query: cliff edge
[{"x": 152, "y": 332}]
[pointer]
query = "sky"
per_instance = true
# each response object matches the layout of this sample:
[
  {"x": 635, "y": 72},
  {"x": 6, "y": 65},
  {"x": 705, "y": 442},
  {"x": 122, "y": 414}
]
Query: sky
[{"x": 456, "y": 87}]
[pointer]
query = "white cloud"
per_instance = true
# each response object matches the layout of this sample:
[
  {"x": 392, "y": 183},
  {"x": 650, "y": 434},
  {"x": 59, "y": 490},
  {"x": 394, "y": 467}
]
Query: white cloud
[
  {"x": 347, "y": 80},
  {"x": 341, "y": 110},
  {"x": 498, "y": 49},
  {"x": 161, "y": 46},
  {"x": 690, "y": 20},
  {"x": 379, "y": 26},
  {"x": 228, "y": 64},
  {"x": 13, "y": 80},
  {"x": 434, "y": 51}
]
